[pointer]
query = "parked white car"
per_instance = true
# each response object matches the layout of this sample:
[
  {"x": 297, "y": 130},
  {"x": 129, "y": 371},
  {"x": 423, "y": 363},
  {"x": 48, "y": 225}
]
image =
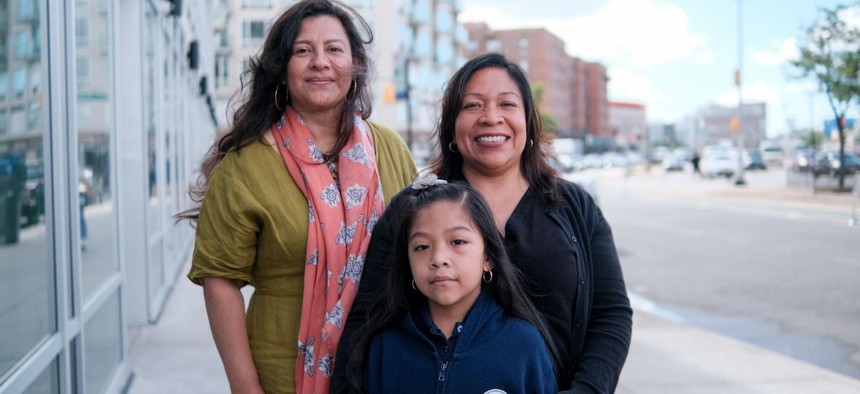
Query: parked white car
[{"x": 718, "y": 161}]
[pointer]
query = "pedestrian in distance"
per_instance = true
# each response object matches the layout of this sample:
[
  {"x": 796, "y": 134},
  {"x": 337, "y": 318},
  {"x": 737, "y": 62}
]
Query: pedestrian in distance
[
  {"x": 289, "y": 197},
  {"x": 452, "y": 313},
  {"x": 695, "y": 162},
  {"x": 489, "y": 135}
]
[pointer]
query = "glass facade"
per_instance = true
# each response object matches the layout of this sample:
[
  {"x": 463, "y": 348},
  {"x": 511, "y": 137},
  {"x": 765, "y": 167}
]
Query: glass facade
[
  {"x": 28, "y": 306},
  {"x": 98, "y": 142}
]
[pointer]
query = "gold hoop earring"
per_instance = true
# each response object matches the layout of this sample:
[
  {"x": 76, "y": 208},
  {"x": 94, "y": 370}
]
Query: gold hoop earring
[
  {"x": 484, "y": 276},
  {"x": 276, "y": 98},
  {"x": 451, "y": 147},
  {"x": 413, "y": 285}
]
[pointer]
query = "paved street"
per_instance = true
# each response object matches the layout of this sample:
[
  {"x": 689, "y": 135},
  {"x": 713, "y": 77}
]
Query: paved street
[{"x": 777, "y": 272}]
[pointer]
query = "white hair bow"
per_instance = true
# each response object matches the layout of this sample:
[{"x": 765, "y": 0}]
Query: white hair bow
[{"x": 427, "y": 179}]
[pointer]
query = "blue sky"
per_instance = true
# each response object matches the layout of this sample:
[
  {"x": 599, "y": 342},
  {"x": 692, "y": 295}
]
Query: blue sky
[{"x": 678, "y": 56}]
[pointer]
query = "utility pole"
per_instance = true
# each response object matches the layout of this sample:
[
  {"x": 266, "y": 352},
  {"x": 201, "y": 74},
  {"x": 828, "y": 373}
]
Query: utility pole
[{"x": 739, "y": 181}]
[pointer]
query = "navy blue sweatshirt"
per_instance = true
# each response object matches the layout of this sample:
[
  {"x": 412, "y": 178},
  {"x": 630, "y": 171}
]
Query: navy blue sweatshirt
[{"x": 494, "y": 350}]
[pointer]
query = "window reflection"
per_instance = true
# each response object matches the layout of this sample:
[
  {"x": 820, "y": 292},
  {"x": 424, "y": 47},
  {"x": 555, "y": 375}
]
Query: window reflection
[
  {"x": 27, "y": 307},
  {"x": 95, "y": 202},
  {"x": 102, "y": 346},
  {"x": 151, "y": 119},
  {"x": 47, "y": 382}
]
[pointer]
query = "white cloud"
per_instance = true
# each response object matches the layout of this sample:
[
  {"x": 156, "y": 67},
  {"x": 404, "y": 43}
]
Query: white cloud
[
  {"x": 628, "y": 85},
  {"x": 786, "y": 51},
  {"x": 653, "y": 33},
  {"x": 757, "y": 92},
  {"x": 706, "y": 57}
]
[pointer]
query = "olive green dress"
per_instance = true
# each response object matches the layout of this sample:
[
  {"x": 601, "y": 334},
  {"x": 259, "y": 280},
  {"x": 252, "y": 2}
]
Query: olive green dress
[{"x": 253, "y": 227}]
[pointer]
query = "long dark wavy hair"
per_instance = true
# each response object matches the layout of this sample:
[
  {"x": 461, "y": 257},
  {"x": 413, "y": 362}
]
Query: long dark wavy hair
[
  {"x": 533, "y": 164},
  {"x": 265, "y": 92},
  {"x": 398, "y": 298}
]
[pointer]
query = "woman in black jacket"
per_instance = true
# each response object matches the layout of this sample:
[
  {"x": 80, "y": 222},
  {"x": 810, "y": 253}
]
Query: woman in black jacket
[{"x": 490, "y": 136}]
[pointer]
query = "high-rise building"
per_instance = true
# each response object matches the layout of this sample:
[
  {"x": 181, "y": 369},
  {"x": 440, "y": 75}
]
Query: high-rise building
[{"x": 597, "y": 102}]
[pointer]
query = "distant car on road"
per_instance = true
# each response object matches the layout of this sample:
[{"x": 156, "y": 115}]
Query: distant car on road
[
  {"x": 803, "y": 160},
  {"x": 673, "y": 162},
  {"x": 718, "y": 161},
  {"x": 828, "y": 163},
  {"x": 754, "y": 160}
]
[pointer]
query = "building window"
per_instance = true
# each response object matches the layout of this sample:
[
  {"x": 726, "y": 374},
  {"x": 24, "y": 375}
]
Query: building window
[
  {"x": 493, "y": 45},
  {"x": 253, "y": 32},
  {"x": 19, "y": 81},
  {"x": 35, "y": 78},
  {"x": 33, "y": 112},
  {"x": 27, "y": 10},
  {"x": 222, "y": 40},
  {"x": 256, "y": 3},
  {"x": 83, "y": 72},
  {"x": 222, "y": 68},
  {"x": 23, "y": 45},
  {"x": 17, "y": 119},
  {"x": 4, "y": 85},
  {"x": 81, "y": 31}
]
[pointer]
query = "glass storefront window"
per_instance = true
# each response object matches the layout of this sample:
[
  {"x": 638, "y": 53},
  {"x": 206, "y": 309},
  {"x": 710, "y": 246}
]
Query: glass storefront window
[
  {"x": 47, "y": 382},
  {"x": 95, "y": 202},
  {"x": 27, "y": 296},
  {"x": 151, "y": 119},
  {"x": 4, "y": 83},
  {"x": 102, "y": 346}
]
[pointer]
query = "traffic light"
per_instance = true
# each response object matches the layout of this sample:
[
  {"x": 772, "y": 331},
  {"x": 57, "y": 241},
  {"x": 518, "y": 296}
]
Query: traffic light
[{"x": 388, "y": 94}]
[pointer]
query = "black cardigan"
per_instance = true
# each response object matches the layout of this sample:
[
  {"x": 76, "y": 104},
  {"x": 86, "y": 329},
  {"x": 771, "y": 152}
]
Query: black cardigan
[{"x": 598, "y": 347}]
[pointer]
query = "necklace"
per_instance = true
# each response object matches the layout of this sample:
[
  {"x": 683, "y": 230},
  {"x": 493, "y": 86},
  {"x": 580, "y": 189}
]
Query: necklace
[
  {"x": 330, "y": 160},
  {"x": 332, "y": 169}
]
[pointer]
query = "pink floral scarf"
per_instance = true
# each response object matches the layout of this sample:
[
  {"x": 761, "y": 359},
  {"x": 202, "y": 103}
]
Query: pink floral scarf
[{"x": 342, "y": 213}]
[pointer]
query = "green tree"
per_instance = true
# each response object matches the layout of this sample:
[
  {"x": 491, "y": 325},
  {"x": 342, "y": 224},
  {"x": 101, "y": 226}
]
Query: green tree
[
  {"x": 547, "y": 120},
  {"x": 830, "y": 55},
  {"x": 813, "y": 139}
]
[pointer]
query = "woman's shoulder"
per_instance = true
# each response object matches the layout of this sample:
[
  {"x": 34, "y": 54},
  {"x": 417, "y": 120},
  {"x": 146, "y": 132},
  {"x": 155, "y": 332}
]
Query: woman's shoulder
[
  {"x": 253, "y": 163},
  {"x": 385, "y": 137},
  {"x": 381, "y": 130},
  {"x": 252, "y": 154},
  {"x": 569, "y": 188}
]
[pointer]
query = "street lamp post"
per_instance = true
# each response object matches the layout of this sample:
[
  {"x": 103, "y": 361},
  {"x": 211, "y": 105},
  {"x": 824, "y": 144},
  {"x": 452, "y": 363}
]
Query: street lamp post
[{"x": 740, "y": 179}]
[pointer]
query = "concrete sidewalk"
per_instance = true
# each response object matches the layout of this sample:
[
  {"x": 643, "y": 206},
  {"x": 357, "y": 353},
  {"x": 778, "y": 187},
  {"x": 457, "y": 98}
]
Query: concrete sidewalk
[{"x": 178, "y": 355}]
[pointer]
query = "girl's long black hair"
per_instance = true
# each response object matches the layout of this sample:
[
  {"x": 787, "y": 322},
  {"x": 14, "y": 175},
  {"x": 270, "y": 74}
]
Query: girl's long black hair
[{"x": 398, "y": 297}]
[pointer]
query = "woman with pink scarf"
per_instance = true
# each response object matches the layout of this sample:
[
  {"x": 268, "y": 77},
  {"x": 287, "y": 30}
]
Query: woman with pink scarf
[{"x": 289, "y": 198}]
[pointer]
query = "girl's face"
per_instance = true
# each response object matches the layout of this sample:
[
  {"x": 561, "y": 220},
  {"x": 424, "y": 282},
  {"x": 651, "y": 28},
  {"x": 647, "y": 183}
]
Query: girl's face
[{"x": 446, "y": 254}]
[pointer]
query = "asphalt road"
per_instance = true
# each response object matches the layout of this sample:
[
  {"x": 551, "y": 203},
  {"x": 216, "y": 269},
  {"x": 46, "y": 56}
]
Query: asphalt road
[{"x": 782, "y": 275}]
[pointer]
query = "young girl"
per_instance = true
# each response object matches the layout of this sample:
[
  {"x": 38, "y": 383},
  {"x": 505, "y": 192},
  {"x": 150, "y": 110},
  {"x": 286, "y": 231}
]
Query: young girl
[{"x": 453, "y": 316}]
